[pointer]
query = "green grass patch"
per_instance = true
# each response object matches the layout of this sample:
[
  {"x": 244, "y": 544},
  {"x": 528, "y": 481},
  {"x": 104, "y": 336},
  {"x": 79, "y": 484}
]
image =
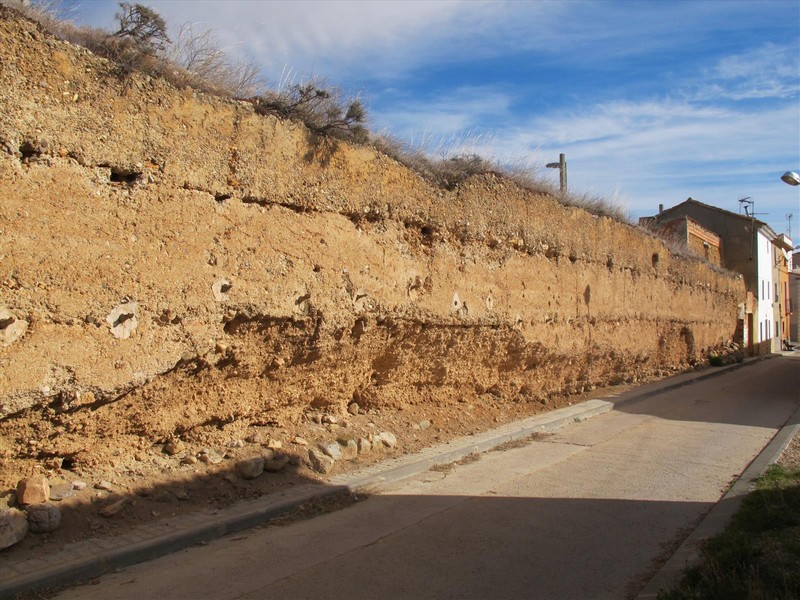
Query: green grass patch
[{"x": 758, "y": 555}]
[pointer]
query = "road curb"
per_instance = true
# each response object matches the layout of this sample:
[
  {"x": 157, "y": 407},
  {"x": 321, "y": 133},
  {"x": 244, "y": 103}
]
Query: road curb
[
  {"x": 690, "y": 551},
  {"x": 95, "y": 557}
]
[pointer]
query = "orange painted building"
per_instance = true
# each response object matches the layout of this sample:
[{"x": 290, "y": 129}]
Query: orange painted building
[{"x": 783, "y": 299}]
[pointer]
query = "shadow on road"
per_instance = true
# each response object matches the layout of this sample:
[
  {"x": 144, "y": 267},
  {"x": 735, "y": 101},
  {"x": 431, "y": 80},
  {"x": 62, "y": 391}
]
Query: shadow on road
[{"x": 770, "y": 383}]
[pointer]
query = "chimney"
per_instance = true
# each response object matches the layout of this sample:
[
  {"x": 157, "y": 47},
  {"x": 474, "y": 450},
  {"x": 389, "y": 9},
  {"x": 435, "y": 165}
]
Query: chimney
[{"x": 660, "y": 208}]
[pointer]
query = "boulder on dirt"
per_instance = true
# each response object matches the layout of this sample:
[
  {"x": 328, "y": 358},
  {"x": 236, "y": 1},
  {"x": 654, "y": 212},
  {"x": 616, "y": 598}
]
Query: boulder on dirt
[
  {"x": 250, "y": 468},
  {"x": 320, "y": 462},
  {"x": 33, "y": 490},
  {"x": 332, "y": 449},
  {"x": 209, "y": 456},
  {"x": 174, "y": 446},
  {"x": 12, "y": 327},
  {"x": 113, "y": 508},
  {"x": 276, "y": 464},
  {"x": 364, "y": 446},
  {"x": 43, "y": 518},
  {"x": 387, "y": 439},
  {"x": 349, "y": 447},
  {"x": 61, "y": 491},
  {"x": 8, "y": 499},
  {"x": 13, "y": 527}
]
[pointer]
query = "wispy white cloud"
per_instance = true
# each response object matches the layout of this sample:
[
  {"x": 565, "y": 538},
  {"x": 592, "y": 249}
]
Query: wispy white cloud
[
  {"x": 768, "y": 71},
  {"x": 460, "y": 109},
  {"x": 328, "y": 38}
]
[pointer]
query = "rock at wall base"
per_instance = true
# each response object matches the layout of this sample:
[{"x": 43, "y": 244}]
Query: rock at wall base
[
  {"x": 43, "y": 518},
  {"x": 320, "y": 462},
  {"x": 251, "y": 468},
  {"x": 33, "y": 490},
  {"x": 13, "y": 527}
]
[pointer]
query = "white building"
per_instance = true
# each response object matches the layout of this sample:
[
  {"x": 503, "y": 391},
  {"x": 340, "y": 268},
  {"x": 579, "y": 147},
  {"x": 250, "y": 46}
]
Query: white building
[{"x": 765, "y": 315}]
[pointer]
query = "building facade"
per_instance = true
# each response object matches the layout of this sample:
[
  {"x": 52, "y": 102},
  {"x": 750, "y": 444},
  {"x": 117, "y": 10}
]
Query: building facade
[{"x": 747, "y": 246}]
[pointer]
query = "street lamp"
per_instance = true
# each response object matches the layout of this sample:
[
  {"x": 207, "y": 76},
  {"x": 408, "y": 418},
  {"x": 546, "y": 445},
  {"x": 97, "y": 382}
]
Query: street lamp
[
  {"x": 789, "y": 177},
  {"x": 561, "y": 165}
]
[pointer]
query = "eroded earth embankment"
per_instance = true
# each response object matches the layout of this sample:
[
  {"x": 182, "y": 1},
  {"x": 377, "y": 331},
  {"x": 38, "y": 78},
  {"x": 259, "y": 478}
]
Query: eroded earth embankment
[{"x": 176, "y": 267}]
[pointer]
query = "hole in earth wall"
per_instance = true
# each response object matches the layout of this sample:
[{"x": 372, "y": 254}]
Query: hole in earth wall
[{"x": 124, "y": 176}]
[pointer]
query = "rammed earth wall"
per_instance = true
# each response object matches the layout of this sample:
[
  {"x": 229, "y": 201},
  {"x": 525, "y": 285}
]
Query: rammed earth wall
[{"x": 292, "y": 270}]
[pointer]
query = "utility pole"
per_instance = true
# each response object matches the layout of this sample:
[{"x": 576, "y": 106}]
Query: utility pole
[{"x": 561, "y": 165}]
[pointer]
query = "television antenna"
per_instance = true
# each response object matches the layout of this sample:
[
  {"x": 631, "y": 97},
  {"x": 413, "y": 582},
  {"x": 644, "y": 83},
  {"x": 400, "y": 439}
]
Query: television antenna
[
  {"x": 789, "y": 224},
  {"x": 749, "y": 206}
]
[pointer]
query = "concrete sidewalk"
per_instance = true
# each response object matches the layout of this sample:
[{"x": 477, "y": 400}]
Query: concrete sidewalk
[{"x": 93, "y": 557}]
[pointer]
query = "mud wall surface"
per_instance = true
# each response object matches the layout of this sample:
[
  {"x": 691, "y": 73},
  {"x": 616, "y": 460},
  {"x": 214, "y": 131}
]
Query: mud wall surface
[{"x": 170, "y": 248}]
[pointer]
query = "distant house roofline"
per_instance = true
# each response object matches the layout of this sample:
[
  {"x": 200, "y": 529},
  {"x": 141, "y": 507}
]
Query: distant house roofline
[
  {"x": 784, "y": 241},
  {"x": 761, "y": 224}
]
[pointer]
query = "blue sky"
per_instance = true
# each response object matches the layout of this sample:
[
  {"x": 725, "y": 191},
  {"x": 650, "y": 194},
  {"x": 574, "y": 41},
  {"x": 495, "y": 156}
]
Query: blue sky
[{"x": 651, "y": 101}]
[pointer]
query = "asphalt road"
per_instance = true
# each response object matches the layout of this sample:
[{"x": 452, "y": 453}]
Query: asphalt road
[{"x": 587, "y": 512}]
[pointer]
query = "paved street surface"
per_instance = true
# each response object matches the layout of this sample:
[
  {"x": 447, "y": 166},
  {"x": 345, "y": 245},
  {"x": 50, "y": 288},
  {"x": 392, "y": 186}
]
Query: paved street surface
[{"x": 584, "y": 513}]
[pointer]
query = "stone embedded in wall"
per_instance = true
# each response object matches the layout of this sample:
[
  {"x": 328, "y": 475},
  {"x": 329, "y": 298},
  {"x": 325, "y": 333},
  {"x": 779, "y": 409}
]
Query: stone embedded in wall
[
  {"x": 302, "y": 304},
  {"x": 12, "y": 328},
  {"x": 220, "y": 289},
  {"x": 456, "y": 303},
  {"x": 362, "y": 301},
  {"x": 459, "y": 306},
  {"x": 123, "y": 320}
]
